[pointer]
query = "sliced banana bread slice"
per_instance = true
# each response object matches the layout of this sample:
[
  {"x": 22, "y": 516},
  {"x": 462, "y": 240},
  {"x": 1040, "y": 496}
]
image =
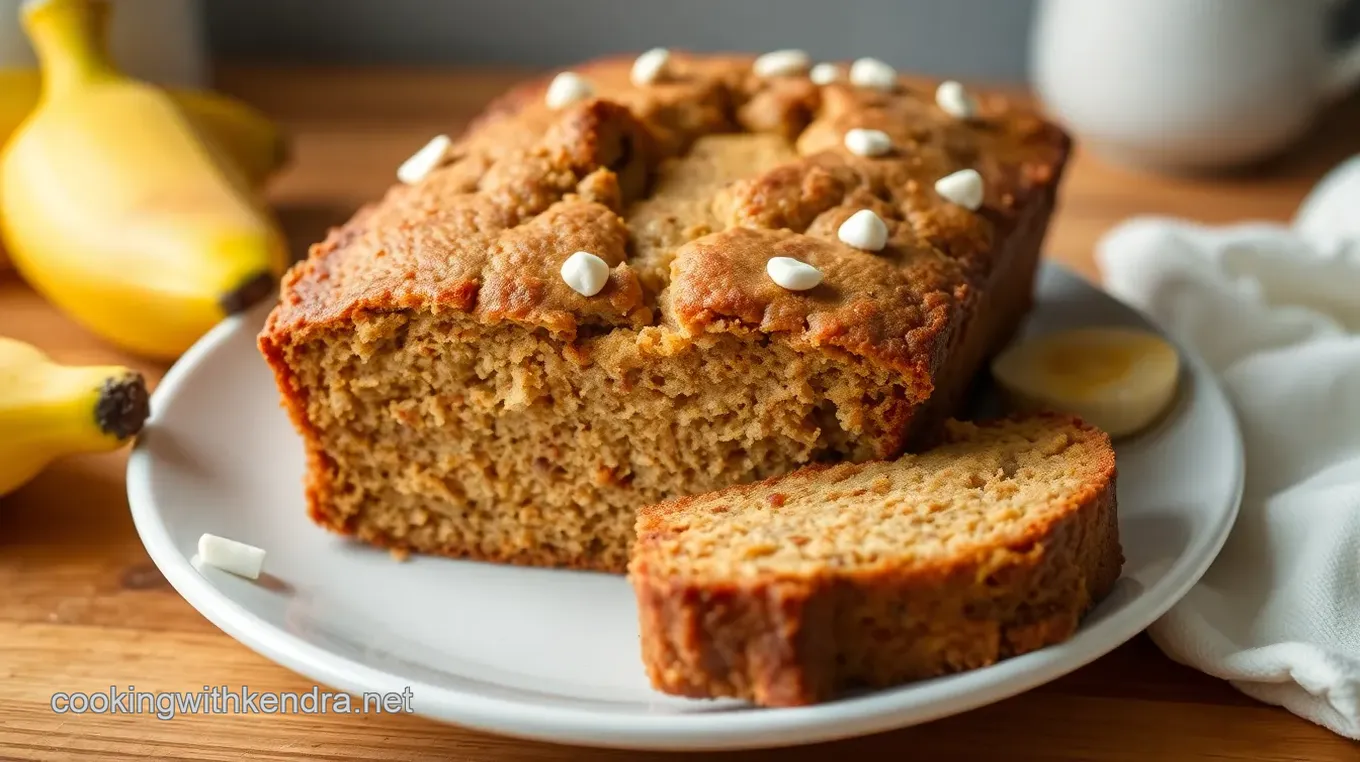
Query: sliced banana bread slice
[{"x": 786, "y": 591}]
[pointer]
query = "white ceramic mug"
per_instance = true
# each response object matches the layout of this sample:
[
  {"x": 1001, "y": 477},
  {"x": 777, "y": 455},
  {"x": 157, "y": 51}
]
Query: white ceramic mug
[{"x": 1188, "y": 85}]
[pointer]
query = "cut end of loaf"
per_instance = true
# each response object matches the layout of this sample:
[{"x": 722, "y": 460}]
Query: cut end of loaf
[
  {"x": 783, "y": 592},
  {"x": 442, "y": 435}
]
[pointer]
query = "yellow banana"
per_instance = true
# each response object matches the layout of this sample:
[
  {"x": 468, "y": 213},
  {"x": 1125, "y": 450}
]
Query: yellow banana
[
  {"x": 113, "y": 207},
  {"x": 49, "y": 410},
  {"x": 257, "y": 146},
  {"x": 254, "y": 143},
  {"x": 19, "y": 90}
]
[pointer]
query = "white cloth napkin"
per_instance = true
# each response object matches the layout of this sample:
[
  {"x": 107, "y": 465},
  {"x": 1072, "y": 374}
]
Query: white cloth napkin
[{"x": 1275, "y": 310}]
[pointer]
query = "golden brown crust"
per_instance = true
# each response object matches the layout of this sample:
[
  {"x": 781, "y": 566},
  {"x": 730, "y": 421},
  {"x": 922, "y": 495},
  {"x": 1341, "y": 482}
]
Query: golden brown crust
[
  {"x": 781, "y": 640},
  {"x": 450, "y": 241},
  {"x": 898, "y": 305}
]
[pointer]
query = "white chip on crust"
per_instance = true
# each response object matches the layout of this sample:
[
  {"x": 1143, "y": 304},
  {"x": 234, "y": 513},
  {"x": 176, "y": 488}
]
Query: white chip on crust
[
  {"x": 963, "y": 188},
  {"x": 231, "y": 556},
  {"x": 650, "y": 66},
  {"x": 567, "y": 88},
  {"x": 864, "y": 230},
  {"x": 586, "y": 273},
  {"x": 791, "y": 274},
  {"x": 422, "y": 162},
  {"x": 873, "y": 73},
  {"x": 862, "y": 142},
  {"x": 824, "y": 74},
  {"x": 955, "y": 101},
  {"x": 781, "y": 63}
]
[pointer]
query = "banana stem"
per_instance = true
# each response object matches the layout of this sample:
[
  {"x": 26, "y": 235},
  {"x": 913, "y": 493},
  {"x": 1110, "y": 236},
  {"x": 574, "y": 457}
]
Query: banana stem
[{"x": 70, "y": 39}]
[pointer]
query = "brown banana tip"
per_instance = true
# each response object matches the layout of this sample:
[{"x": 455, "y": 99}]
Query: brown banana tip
[
  {"x": 252, "y": 291},
  {"x": 123, "y": 406}
]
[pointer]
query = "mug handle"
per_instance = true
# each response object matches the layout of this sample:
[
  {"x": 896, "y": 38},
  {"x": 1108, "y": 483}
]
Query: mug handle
[{"x": 1344, "y": 72}]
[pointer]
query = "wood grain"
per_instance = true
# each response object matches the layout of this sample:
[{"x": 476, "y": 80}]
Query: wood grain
[{"x": 83, "y": 608}]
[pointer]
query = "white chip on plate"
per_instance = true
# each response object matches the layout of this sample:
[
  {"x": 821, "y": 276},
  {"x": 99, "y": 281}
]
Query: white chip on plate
[
  {"x": 422, "y": 162},
  {"x": 231, "y": 556}
]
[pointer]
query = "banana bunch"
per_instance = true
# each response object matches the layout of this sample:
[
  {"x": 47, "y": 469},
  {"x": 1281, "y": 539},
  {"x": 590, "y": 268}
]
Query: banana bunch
[
  {"x": 49, "y": 410},
  {"x": 255, "y": 144},
  {"x": 131, "y": 209}
]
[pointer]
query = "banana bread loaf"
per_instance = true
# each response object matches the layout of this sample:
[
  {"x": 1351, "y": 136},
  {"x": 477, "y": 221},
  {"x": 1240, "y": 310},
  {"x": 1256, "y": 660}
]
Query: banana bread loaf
[
  {"x": 467, "y": 384},
  {"x": 786, "y": 591}
]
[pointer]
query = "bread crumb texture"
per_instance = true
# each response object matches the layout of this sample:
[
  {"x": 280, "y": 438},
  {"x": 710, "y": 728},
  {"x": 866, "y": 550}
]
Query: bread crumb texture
[
  {"x": 786, "y": 591},
  {"x": 456, "y": 396}
]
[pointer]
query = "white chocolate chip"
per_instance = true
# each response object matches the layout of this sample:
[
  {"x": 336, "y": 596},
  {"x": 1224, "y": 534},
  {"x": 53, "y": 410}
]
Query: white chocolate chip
[
  {"x": 781, "y": 63},
  {"x": 566, "y": 89},
  {"x": 650, "y": 66},
  {"x": 824, "y": 74},
  {"x": 422, "y": 162},
  {"x": 231, "y": 556},
  {"x": 871, "y": 72},
  {"x": 963, "y": 188},
  {"x": 864, "y": 230},
  {"x": 793, "y": 275},
  {"x": 955, "y": 101},
  {"x": 585, "y": 273},
  {"x": 863, "y": 142}
]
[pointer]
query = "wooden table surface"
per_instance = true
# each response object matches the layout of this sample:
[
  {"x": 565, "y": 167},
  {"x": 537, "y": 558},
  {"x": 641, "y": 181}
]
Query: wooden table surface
[{"x": 83, "y": 608}]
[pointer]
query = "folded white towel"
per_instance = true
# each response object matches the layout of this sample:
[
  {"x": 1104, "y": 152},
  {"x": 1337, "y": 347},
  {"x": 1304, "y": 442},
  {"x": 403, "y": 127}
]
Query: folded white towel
[{"x": 1275, "y": 310}]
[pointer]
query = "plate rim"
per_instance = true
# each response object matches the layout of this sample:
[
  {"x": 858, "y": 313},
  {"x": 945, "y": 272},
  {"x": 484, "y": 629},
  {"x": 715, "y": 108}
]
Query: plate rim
[{"x": 874, "y": 712}]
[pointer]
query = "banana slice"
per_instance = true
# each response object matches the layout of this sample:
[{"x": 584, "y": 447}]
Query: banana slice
[{"x": 1115, "y": 378}]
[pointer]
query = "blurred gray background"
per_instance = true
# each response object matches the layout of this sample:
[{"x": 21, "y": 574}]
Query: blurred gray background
[
  {"x": 983, "y": 39},
  {"x": 975, "y": 39}
]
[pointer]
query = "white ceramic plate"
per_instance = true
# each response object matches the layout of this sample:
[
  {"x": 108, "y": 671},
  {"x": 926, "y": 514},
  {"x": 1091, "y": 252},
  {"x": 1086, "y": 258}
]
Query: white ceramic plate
[{"x": 553, "y": 655}]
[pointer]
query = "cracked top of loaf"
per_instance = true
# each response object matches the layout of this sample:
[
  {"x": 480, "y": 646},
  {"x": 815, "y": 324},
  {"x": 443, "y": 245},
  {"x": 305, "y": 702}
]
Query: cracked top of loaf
[{"x": 687, "y": 187}]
